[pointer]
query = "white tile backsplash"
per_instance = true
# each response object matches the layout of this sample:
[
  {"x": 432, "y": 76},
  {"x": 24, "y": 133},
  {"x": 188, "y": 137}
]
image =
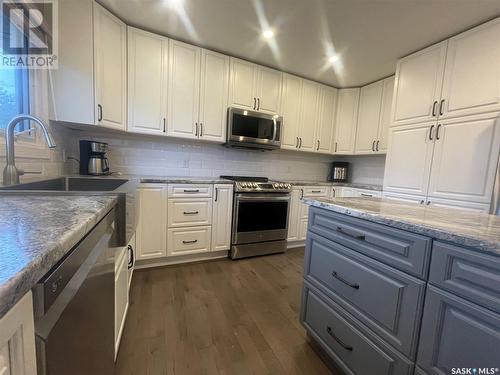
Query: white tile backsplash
[{"x": 365, "y": 169}]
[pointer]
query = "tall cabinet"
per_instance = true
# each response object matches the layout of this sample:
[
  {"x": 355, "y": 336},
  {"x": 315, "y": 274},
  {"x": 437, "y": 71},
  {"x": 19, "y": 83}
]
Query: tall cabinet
[
  {"x": 346, "y": 119},
  {"x": 445, "y": 139}
]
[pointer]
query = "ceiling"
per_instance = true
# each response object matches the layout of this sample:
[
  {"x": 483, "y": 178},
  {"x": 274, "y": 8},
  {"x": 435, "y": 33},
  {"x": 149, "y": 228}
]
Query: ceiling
[{"x": 368, "y": 35}]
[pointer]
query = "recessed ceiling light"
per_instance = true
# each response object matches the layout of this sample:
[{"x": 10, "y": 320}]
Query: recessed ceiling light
[
  {"x": 173, "y": 3},
  {"x": 268, "y": 34},
  {"x": 334, "y": 58}
]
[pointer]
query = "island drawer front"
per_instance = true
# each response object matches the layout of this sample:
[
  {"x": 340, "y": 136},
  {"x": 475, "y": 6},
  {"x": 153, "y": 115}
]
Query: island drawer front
[
  {"x": 457, "y": 333},
  {"x": 472, "y": 275},
  {"x": 406, "y": 251},
  {"x": 189, "y": 191},
  {"x": 189, "y": 212},
  {"x": 388, "y": 301},
  {"x": 349, "y": 347}
]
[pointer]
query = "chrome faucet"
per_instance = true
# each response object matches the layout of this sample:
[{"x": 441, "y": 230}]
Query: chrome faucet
[{"x": 11, "y": 173}]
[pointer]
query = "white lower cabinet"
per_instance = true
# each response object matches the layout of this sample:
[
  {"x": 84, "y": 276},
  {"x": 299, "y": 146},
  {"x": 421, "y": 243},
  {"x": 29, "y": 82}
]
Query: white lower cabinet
[
  {"x": 132, "y": 253},
  {"x": 222, "y": 214},
  {"x": 407, "y": 198},
  {"x": 184, "y": 212},
  {"x": 121, "y": 294},
  {"x": 467, "y": 206},
  {"x": 184, "y": 241},
  {"x": 17, "y": 339}
]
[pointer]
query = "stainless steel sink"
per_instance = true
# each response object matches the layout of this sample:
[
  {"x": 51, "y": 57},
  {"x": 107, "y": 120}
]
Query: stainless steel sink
[{"x": 70, "y": 184}]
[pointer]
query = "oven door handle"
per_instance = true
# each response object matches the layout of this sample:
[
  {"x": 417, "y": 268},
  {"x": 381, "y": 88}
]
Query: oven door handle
[{"x": 261, "y": 197}]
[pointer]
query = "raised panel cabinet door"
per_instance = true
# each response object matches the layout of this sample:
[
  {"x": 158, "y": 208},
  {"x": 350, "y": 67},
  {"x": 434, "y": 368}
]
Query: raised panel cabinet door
[
  {"x": 222, "y": 217},
  {"x": 121, "y": 295},
  {"x": 110, "y": 60},
  {"x": 409, "y": 159},
  {"x": 152, "y": 224},
  {"x": 472, "y": 75},
  {"x": 326, "y": 123},
  {"x": 465, "y": 159},
  {"x": 242, "y": 84},
  {"x": 183, "y": 90},
  {"x": 269, "y": 90},
  {"x": 290, "y": 110},
  {"x": 457, "y": 334},
  {"x": 213, "y": 96},
  {"x": 147, "y": 82},
  {"x": 308, "y": 115},
  {"x": 370, "y": 103},
  {"x": 418, "y": 84},
  {"x": 345, "y": 123},
  {"x": 293, "y": 215},
  {"x": 385, "y": 116}
]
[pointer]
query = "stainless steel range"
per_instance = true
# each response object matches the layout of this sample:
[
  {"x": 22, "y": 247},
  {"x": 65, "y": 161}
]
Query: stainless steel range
[{"x": 260, "y": 216}]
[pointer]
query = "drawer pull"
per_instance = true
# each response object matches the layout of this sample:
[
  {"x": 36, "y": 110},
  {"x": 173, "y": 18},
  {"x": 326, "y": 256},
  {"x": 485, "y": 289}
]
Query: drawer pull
[
  {"x": 341, "y": 279},
  {"x": 341, "y": 343},
  {"x": 191, "y": 191},
  {"x": 366, "y": 195},
  {"x": 189, "y": 242},
  {"x": 351, "y": 234},
  {"x": 315, "y": 191},
  {"x": 191, "y": 212}
]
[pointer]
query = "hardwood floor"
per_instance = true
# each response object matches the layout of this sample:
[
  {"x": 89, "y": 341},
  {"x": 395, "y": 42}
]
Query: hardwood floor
[{"x": 218, "y": 317}]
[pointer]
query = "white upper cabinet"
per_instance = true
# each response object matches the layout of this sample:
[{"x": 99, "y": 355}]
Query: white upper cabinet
[
  {"x": 465, "y": 158},
  {"x": 213, "y": 96},
  {"x": 346, "y": 118},
  {"x": 385, "y": 115},
  {"x": 254, "y": 87},
  {"x": 370, "y": 103},
  {"x": 417, "y": 89},
  {"x": 472, "y": 75},
  {"x": 326, "y": 121},
  {"x": 290, "y": 111},
  {"x": 222, "y": 217},
  {"x": 147, "y": 82},
  {"x": 308, "y": 115},
  {"x": 110, "y": 61},
  {"x": 183, "y": 90},
  {"x": 409, "y": 159}
]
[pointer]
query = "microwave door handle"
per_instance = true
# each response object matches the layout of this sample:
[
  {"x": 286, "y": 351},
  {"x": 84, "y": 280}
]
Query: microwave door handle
[{"x": 275, "y": 130}]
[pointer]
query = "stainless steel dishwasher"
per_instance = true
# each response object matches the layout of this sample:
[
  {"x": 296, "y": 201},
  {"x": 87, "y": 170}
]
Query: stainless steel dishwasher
[{"x": 74, "y": 307}]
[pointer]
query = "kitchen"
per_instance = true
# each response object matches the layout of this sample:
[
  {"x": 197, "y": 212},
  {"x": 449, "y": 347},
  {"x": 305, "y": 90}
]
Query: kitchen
[{"x": 250, "y": 187}]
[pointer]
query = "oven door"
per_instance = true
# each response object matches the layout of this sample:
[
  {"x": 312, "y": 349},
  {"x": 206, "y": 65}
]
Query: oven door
[
  {"x": 253, "y": 129},
  {"x": 260, "y": 217}
]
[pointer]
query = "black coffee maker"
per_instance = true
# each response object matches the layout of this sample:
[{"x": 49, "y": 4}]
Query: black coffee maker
[
  {"x": 93, "y": 160},
  {"x": 339, "y": 171}
]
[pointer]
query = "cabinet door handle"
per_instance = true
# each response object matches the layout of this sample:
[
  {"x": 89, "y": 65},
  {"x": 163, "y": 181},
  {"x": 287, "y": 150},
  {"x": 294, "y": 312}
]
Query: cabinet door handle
[
  {"x": 335, "y": 147},
  {"x": 358, "y": 236},
  {"x": 341, "y": 343},
  {"x": 131, "y": 259},
  {"x": 254, "y": 103},
  {"x": 422, "y": 201},
  {"x": 376, "y": 147},
  {"x": 189, "y": 242},
  {"x": 301, "y": 194},
  {"x": 441, "y": 105},
  {"x": 428, "y": 203},
  {"x": 216, "y": 194},
  {"x": 317, "y": 149},
  {"x": 164, "y": 125},
  {"x": 430, "y": 132},
  {"x": 99, "y": 113},
  {"x": 434, "y": 108},
  {"x": 258, "y": 104},
  {"x": 201, "y": 129},
  {"x": 191, "y": 191},
  {"x": 300, "y": 145},
  {"x": 297, "y": 144},
  {"x": 437, "y": 132},
  {"x": 342, "y": 280},
  {"x": 373, "y": 146},
  {"x": 191, "y": 212},
  {"x": 196, "y": 131}
]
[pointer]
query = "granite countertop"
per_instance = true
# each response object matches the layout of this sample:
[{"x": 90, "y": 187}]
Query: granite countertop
[
  {"x": 36, "y": 232},
  {"x": 464, "y": 228},
  {"x": 329, "y": 183},
  {"x": 184, "y": 180}
]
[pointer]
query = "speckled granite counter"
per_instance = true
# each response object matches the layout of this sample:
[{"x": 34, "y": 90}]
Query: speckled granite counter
[
  {"x": 36, "y": 232},
  {"x": 464, "y": 228},
  {"x": 184, "y": 180},
  {"x": 329, "y": 183}
]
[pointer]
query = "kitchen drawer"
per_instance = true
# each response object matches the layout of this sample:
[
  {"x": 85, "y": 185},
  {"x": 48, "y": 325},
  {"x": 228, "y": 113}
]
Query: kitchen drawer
[
  {"x": 367, "y": 193},
  {"x": 388, "y": 301},
  {"x": 470, "y": 274},
  {"x": 457, "y": 334},
  {"x": 184, "y": 212},
  {"x": 406, "y": 251},
  {"x": 183, "y": 241},
  {"x": 189, "y": 191},
  {"x": 316, "y": 191},
  {"x": 353, "y": 351}
]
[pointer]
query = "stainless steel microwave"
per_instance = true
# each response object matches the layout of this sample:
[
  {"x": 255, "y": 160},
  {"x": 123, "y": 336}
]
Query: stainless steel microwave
[{"x": 253, "y": 129}]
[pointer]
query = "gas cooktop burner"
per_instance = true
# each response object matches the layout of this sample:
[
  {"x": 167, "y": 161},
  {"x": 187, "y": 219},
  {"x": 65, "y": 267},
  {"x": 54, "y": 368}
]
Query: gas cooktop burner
[{"x": 258, "y": 185}]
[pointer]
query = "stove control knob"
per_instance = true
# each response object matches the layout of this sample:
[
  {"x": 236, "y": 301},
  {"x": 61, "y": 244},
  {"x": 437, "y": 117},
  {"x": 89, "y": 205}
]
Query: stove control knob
[
  {"x": 276, "y": 186},
  {"x": 255, "y": 185},
  {"x": 282, "y": 186},
  {"x": 243, "y": 184},
  {"x": 288, "y": 186}
]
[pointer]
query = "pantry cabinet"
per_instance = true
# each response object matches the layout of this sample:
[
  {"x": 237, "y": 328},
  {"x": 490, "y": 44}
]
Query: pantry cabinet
[
  {"x": 346, "y": 119},
  {"x": 254, "y": 87},
  {"x": 326, "y": 118},
  {"x": 93, "y": 70},
  {"x": 370, "y": 104},
  {"x": 147, "y": 82}
]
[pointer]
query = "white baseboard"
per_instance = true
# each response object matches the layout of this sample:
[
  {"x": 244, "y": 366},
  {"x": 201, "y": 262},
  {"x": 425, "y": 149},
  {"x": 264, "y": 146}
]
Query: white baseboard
[
  {"x": 167, "y": 261},
  {"x": 291, "y": 245}
]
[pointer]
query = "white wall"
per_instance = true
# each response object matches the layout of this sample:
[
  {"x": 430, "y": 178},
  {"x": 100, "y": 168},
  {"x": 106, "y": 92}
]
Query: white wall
[
  {"x": 143, "y": 155},
  {"x": 365, "y": 169}
]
